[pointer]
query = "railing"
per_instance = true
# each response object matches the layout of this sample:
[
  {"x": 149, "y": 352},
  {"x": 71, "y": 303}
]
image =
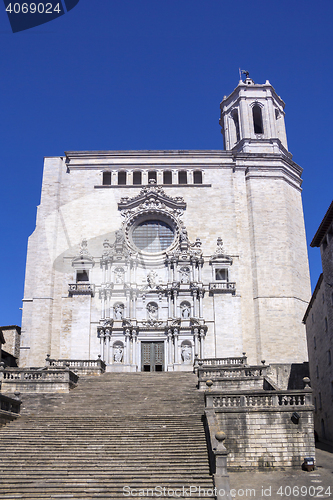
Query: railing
[
  {"x": 31, "y": 375},
  {"x": 259, "y": 400},
  {"x": 222, "y": 287},
  {"x": 231, "y": 373},
  {"x": 9, "y": 404},
  {"x": 234, "y": 361},
  {"x": 81, "y": 289},
  {"x": 77, "y": 365},
  {"x": 37, "y": 380}
]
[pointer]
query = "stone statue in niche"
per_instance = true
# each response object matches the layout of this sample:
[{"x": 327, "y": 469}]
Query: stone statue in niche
[
  {"x": 152, "y": 310},
  {"x": 151, "y": 279},
  {"x": 183, "y": 234},
  {"x": 119, "y": 275},
  {"x": 184, "y": 274},
  {"x": 186, "y": 353},
  {"x": 118, "y": 311},
  {"x": 119, "y": 237},
  {"x": 118, "y": 354},
  {"x": 186, "y": 310}
]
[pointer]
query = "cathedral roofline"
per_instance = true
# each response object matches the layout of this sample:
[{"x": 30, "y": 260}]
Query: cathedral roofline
[{"x": 148, "y": 152}]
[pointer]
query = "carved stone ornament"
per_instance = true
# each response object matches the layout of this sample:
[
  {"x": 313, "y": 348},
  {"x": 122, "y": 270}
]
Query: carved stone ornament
[
  {"x": 219, "y": 255},
  {"x": 151, "y": 202},
  {"x": 150, "y": 198},
  {"x": 84, "y": 259}
]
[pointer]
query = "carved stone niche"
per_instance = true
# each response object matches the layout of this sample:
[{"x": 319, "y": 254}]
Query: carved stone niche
[
  {"x": 82, "y": 264},
  {"x": 186, "y": 352},
  {"x": 118, "y": 352}
]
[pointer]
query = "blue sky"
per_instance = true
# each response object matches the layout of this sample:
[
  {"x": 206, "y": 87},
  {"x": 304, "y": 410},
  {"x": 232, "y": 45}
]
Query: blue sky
[{"x": 150, "y": 74}]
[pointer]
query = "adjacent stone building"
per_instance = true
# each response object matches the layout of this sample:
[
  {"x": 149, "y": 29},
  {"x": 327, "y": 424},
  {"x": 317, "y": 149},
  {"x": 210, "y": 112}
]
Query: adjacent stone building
[
  {"x": 150, "y": 258},
  {"x": 319, "y": 328}
]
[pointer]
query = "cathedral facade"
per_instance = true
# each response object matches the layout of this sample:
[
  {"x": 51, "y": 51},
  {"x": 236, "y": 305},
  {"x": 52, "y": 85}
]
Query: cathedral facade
[{"x": 149, "y": 259}]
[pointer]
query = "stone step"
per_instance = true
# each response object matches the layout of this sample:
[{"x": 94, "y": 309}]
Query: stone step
[{"x": 140, "y": 430}]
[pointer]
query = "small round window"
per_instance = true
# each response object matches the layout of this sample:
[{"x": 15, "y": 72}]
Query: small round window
[{"x": 153, "y": 236}]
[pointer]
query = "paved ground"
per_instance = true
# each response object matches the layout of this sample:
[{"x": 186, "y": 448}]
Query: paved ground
[{"x": 284, "y": 485}]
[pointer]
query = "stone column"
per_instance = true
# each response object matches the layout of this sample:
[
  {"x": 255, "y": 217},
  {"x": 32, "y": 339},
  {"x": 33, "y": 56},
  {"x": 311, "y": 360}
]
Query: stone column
[
  {"x": 144, "y": 177},
  {"x": 169, "y": 347},
  {"x": 195, "y": 304},
  {"x": 174, "y": 303},
  {"x": 102, "y": 345},
  {"x": 134, "y": 298},
  {"x": 134, "y": 346},
  {"x": 159, "y": 177},
  {"x": 107, "y": 356},
  {"x": 202, "y": 336},
  {"x": 200, "y": 303},
  {"x": 199, "y": 271},
  {"x": 174, "y": 176},
  {"x": 175, "y": 336},
  {"x": 127, "y": 312},
  {"x": 127, "y": 346},
  {"x": 104, "y": 266},
  {"x": 190, "y": 176},
  {"x": 127, "y": 275},
  {"x": 134, "y": 264},
  {"x": 169, "y": 270},
  {"x": 169, "y": 304},
  {"x": 193, "y": 271},
  {"x": 196, "y": 341},
  {"x": 174, "y": 269},
  {"x": 103, "y": 302},
  {"x": 108, "y": 308}
]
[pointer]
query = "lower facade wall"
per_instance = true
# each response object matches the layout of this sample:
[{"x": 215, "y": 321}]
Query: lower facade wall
[{"x": 267, "y": 438}]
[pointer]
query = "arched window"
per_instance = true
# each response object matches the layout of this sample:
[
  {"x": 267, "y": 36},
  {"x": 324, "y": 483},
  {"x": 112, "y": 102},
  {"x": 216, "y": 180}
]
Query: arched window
[
  {"x": 152, "y": 176},
  {"x": 182, "y": 177},
  {"x": 197, "y": 177},
  {"x": 137, "y": 177},
  {"x": 257, "y": 119},
  {"x": 234, "y": 115},
  {"x": 106, "y": 178},
  {"x": 167, "y": 177},
  {"x": 122, "y": 178}
]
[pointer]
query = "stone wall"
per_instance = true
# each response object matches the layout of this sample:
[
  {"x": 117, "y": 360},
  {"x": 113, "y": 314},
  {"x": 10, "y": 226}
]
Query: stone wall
[
  {"x": 12, "y": 336},
  {"x": 262, "y": 433}
]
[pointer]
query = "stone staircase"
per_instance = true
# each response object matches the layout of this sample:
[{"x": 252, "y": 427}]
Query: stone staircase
[{"x": 110, "y": 438}]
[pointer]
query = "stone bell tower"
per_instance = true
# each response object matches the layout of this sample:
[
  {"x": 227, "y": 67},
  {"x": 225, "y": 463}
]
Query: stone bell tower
[
  {"x": 253, "y": 127},
  {"x": 252, "y": 119}
]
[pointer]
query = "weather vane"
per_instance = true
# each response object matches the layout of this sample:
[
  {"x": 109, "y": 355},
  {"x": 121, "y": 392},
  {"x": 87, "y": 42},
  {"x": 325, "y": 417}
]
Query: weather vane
[{"x": 243, "y": 72}]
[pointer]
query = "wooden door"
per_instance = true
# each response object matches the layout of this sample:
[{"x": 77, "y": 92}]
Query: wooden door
[{"x": 152, "y": 356}]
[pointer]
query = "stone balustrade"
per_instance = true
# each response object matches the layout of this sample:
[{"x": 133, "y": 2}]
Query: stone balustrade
[
  {"x": 236, "y": 372},
  {"x": 264, "y": 429},
  {"x": 232, "y": 377},
  {"x": 234, "y": 361},
  {"x": 263, "y": 399},
  {"x": 78, "y": 366},
  {"x": 81, "y": 289},
  {"x": 223, "y": 287},
  {"x": 37, "y": 380}
]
